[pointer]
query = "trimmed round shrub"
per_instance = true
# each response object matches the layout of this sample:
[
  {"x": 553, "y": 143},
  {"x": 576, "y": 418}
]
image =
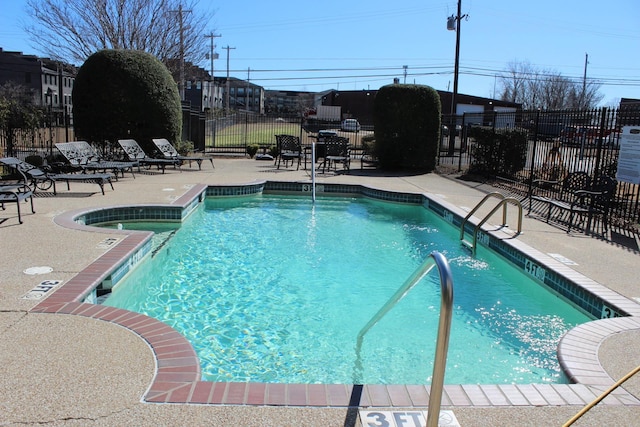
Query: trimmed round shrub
[
  {"x": 407, "y": 127},
  {"x": 124, "y": 94}
]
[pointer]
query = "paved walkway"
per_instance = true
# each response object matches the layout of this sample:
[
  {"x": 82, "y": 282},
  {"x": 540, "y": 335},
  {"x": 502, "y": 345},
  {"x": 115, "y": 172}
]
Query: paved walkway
[{"x": 70, "y": 370}]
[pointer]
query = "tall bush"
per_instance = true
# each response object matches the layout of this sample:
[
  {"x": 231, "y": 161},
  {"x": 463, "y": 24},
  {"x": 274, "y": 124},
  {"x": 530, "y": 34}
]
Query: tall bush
[
  {"x": 18, "y": 112},
  {"x": 407, "y": 127},
  {"x": 122, "y": 94},
  {"x": 500, "y": 152}
]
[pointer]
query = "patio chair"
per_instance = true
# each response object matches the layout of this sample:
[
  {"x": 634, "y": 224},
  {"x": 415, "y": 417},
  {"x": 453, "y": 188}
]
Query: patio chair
[
  {"x": 338, "y": 151},
  {"x": 558, "y": 194},
  {"x": 289, "y": 149},
  {"x": 83, "y": 155},
  {"x": 16, "y": 193},
  {"x": 37, "y": 178},
  {"x": 135, "y": 153},
  {"x": 169, "y": 152},
  {"x": 594, "y": 201},
  {"x": 578, "y": 196}
]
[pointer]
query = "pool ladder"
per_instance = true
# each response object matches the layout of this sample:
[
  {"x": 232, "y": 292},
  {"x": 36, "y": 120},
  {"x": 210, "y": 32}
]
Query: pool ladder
[
  {"x": 435, "y": 259},
  {"x": 503, "y": 203}
]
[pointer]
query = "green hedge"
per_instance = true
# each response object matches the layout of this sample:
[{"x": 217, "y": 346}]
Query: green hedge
[
  {"x": 407, "y": 127},
  {"x": 122, "y": 94},
  {"x": 501, "y": 152}
]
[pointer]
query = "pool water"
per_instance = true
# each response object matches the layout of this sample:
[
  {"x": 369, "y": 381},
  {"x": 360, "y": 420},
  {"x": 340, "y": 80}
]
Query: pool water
[{"x": 275, "y": 289}]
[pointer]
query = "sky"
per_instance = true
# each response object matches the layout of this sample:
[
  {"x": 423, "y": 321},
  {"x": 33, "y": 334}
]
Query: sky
[{"x": 359, "y": 45}]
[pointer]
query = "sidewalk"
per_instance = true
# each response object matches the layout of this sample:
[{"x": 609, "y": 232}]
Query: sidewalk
[{"x": 71, "y": 370}]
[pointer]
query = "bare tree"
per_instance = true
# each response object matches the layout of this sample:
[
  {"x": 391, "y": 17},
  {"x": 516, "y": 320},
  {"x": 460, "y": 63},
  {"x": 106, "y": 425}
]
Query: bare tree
[
  {"x": 516, "y": 83},
  {"x": 72, "y": 30},
  {"x": 546, "y": 89}
]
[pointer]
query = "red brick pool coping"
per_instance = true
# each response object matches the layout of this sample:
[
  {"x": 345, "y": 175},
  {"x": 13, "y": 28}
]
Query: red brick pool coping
[{"x": 178, "y": 378}]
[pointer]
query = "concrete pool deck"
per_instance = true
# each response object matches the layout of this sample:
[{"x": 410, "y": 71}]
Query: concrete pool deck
[{"x": 75, "y": 370}]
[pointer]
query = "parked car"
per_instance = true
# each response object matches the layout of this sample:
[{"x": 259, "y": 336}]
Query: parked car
[
  {"x": 350, "y": 125},
  {"x": 579, "y": 135},
  {"x": 445, "y": 130}
]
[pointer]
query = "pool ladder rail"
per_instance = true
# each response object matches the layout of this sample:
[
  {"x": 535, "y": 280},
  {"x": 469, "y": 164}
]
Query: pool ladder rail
[
  {"x": 435, "y": 259},
  {"x": 504, "y": 201}
]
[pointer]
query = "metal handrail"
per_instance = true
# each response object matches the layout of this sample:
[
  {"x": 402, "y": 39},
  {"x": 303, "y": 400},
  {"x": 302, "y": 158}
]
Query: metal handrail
[
  {"x": 438, "y": 260},
  {"x": 503, "y": 203},
  {"x": 484, "y": 199}
]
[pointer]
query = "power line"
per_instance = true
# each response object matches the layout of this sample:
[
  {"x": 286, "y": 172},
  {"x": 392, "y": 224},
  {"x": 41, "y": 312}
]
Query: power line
[{"x": 418, "y": 71}]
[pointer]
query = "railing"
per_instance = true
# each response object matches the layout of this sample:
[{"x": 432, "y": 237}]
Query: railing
[
  {"x": 438, "y": 260},
  {"x": 503, "y": 203},
  {"x": 558, "y": 142}
]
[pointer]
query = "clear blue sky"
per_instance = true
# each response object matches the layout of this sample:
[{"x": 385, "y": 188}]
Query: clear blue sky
[{"x": 353, "y": 45}]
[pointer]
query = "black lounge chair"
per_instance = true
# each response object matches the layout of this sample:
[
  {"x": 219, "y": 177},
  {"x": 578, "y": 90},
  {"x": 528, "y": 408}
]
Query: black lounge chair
[
  {"x": 36, "y": 178},
  {"x": 135, "y": 153},
  {"x": 169, "y": 152},
  {"x": 84, "y": 156},
  {"x": 16, "y": 193}
]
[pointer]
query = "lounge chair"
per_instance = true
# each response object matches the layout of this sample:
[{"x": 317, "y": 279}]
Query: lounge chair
[
  {"x": 169, "y": 152},
  {"x": 289, "y": 149},
  {"x": 16, "y": 193},
  {"x": 83, "y": 155},
  {"x": 36, "y": 178},
  {"x": 135, "y": 153}
]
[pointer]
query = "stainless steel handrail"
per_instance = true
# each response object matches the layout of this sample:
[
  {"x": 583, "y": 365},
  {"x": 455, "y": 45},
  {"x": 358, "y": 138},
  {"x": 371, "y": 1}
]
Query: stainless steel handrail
[
  {"x": 484, "y": 199},
  {"x": 438, "y": 260},
  {"x": 503, "y": 203}
]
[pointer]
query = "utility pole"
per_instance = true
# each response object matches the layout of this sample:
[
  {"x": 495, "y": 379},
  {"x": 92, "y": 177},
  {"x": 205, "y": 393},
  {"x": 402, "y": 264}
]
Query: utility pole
[
  {"x": 584, "y": 80},
  {"x": 226, "y": 91},
  {"x": 453, "y": 24},
  {"x": 212, "y": 55},
  {"x": 405, "y": 73},
  {"x": 181, "y": 13}
]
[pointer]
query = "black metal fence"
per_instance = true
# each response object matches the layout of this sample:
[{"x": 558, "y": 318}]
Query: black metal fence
[
  {"x": 231, "y": 134},
  {"x": 559, "y": 142}
]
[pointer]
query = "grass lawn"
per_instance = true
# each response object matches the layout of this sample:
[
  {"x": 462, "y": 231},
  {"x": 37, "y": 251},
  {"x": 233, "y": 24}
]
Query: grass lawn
[{"x": 255, "y": 133}]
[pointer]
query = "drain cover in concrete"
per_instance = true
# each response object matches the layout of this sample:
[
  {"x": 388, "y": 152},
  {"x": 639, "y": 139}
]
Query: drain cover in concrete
[{"x": 38, "y": 270}]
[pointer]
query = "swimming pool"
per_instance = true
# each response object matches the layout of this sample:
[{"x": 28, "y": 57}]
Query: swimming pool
[{"x": 246, "y": 328}]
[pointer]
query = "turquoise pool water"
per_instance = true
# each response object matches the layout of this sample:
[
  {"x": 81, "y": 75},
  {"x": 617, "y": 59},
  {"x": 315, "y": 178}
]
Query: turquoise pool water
[{"x": 275, "y": 289}]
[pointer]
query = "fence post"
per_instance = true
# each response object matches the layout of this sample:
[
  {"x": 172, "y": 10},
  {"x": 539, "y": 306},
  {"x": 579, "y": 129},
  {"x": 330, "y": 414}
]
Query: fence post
[
  {"x": 246, "y": 128},
  {"x": 533, "y": 157},
  {"x": 603, "y": 120},
  {"x": 462, "y": 136}
]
